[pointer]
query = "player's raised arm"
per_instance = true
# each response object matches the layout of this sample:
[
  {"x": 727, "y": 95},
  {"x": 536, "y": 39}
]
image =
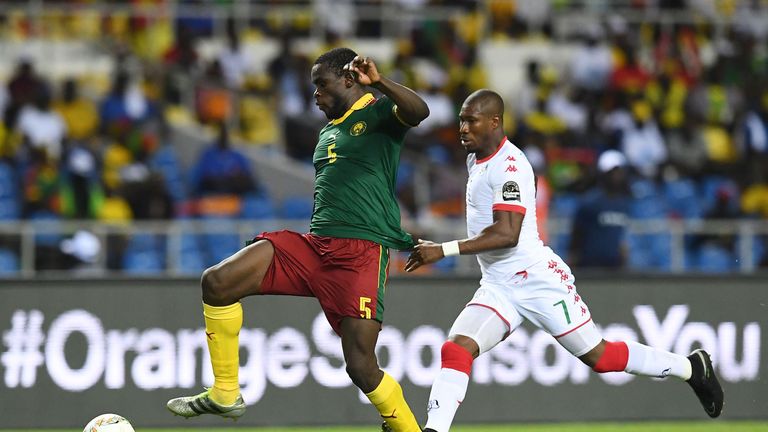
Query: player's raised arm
[
  {"x": 411, "y": 108},
  {"x": 503, "y": 233}
]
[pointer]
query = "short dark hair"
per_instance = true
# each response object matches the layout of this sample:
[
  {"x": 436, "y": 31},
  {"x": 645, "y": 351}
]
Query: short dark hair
[
  {"x": 489, "y": 102},
  {"x": 336, "y": 59}
]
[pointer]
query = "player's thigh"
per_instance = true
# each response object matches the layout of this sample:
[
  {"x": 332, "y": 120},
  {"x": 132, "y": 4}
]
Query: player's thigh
[
  {"x": 488, "y": 319},
  {"x": 277, "y": 263},
  {"x": 244, "y": 271},
  {"x": 351, "y": 281},
  {"x": 548, "y": 298}
]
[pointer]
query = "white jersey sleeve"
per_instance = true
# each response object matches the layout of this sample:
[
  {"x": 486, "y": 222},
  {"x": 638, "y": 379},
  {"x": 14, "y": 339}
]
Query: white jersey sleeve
[{"x": 509, "y": 180}]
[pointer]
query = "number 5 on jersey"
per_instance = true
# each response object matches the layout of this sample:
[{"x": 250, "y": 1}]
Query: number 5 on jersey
[{"x": 365, "y": 311}]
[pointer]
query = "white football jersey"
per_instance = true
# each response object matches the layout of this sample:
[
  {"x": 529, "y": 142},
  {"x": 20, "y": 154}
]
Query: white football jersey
[{"x": 503, "y": 181}]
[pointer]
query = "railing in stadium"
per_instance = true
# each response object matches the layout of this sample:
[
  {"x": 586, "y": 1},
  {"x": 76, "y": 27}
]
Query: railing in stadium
[{"x": 172, "y": 243}]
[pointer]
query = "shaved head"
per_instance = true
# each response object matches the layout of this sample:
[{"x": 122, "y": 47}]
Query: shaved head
[
  {"x": 486, "y": 102},
  {"x": 481, "y": 127}
]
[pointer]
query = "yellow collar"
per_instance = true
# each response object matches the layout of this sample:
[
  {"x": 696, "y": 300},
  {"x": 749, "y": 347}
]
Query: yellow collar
[{"x": 361, "y": 103}]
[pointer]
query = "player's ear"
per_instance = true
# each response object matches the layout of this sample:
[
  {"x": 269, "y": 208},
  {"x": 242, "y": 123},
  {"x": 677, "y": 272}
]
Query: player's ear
[
  {"x": 349, "y": 79},
  {"x": 495, "y": 121}
]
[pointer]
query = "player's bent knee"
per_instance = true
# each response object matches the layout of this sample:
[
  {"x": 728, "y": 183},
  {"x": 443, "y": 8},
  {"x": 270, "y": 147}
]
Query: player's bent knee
[
  {"x": 455, "y": 356},
  {"x": 214, "y": 286},
  {"x": 363, "y": 374},
  {"x": 614, "y": 358}
]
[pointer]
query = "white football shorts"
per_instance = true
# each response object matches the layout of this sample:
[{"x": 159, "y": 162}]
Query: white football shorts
[{"x": 544, "y": 294}]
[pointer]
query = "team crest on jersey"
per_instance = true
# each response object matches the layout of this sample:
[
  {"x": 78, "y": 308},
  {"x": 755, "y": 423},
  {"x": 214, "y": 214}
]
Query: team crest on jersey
[
  {"x": 358, "y": 128},
  {"x": 510, "y": 191}
]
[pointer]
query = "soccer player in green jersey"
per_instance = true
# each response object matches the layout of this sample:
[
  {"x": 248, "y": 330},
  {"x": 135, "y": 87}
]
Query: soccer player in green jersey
[{"x": 343, "y": 261}]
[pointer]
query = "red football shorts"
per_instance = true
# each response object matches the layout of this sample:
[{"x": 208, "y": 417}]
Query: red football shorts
[{"x": 347, "y": 276}]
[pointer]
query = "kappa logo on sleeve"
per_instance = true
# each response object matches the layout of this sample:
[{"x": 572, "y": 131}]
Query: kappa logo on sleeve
[{"x": 510, "y": 191}]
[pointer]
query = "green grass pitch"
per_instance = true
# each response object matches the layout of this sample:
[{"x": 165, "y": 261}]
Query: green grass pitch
[{"x": 704, "y": 426}]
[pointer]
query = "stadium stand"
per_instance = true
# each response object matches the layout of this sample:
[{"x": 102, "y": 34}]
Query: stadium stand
[{"x": 139, "y": 93}]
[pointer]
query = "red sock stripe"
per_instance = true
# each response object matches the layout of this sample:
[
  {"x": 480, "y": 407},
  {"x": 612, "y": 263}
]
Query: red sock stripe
[
  {"x": 614, "y": 358},
  {"x": 455, "y": 357}
]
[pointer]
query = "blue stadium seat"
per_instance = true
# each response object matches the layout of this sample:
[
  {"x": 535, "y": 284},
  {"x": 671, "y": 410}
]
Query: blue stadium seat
[
  {"x": 715, "y": 259},
  {"x": 405, "y": 173},
  {"x": 191, "y": 261},
  {"x": 661, "y": 251},
  {"x": 257, "y": 206},
  {"x": 220, "y": 240},
  {"x": 297, "y": 207},
  {"x": 165, "y": 162},
  {"x": 648, "y": 208},
  {"x": 8, "y": 181},
  {"x": 145, "y": 241},
  {"x": 190, "y": 242},
  {"x": 47, "y": 219},
  {"x": 649, "y": 252},
  {"x": 712, "y": 185},
  {"x": 445, "y": 265},
  {"x": 145, "y": 254},
  {"x": 643, "y": 188},
  {"x": 560, "y": 243},
  {"x": 564, "y": 205},
  {"x": 9, "y": 262},
  {"x": 758, "y": 250},
  {"x": 639, "y": 253},
  {"x": 10, "y": 208},
  {"x": 143, "y": 262},
  {"x": 683, "y": 198}
]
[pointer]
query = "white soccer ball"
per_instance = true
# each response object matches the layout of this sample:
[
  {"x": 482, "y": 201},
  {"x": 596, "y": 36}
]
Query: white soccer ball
[{"x": 109, "y": 423}]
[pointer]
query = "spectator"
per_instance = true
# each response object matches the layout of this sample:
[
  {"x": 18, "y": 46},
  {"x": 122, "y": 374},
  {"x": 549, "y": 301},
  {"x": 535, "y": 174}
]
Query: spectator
[
  {"x": 235, "y": 64},
  {"x": 183, "y": 54},
  {"x": 599, "y": 226},
  {"x": 222, "y": 170},
  {"x": 79, "y": 114},
  {"x": 630, "y": 75},
  {"x": 82, "y": 192},
  {"x": 42, "y": 128},
  {"x": 688, "y": 148},
  {"x": 24, "y": 87},
  {"x": 642, "y": 141},
  {"x": 42, "y": 184},
  {"x": 124, "y": 106},
  {"x": 592, "y": 63}
]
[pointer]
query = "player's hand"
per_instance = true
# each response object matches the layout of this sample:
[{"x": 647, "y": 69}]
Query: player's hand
[
  {"x": 364, "y": 70},
  {"x": 425, "y": 252}
]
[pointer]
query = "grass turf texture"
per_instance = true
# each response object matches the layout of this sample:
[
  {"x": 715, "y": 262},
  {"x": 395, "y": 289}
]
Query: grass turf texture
[{"x": 704, "y": 426}]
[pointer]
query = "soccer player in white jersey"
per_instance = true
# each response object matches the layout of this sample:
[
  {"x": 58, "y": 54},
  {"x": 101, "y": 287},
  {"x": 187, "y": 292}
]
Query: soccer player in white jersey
[{"x": 523, "y": 279}]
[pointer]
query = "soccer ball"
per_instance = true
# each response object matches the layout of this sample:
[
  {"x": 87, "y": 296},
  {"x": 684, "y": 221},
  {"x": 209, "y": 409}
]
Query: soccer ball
[{"x": 109, "y": 423}]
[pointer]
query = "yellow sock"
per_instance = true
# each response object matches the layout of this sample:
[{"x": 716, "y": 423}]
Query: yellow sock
[
  {"x": 388, "y": 399},
  {"x": 222, "y": 327}
]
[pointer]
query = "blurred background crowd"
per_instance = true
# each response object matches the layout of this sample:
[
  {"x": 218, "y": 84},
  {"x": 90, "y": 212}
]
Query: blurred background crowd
[{"x": 645, "y": 120}]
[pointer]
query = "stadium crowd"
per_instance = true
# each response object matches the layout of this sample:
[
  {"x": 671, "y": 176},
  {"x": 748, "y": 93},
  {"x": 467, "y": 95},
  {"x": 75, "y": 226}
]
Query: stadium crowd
[{"x": 683, "y": 105}]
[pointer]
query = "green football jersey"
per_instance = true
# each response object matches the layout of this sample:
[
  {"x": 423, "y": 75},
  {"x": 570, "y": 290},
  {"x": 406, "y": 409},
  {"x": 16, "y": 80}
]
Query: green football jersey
[{"x": 356, "y": 161}]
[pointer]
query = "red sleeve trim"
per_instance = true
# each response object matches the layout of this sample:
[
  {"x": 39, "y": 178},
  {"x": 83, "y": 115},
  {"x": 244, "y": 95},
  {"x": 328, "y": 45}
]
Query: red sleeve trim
[{"x": 510, "y": 208}]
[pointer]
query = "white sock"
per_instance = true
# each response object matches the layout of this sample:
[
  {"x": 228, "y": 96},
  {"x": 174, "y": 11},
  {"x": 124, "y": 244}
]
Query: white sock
[
  {"x": 446, "y": 395},
  {"x": 650, "y": 361}
]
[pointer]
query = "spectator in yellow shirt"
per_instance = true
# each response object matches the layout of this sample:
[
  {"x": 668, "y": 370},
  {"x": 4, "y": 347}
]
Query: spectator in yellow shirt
[{"x": 79, "y": 114}]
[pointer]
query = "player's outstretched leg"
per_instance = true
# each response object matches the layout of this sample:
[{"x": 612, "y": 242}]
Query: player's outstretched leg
[
  {"x": 639, "y": 359},
  {"x": 193, "y": 406},
  {"x": 704, "y": 383}
]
